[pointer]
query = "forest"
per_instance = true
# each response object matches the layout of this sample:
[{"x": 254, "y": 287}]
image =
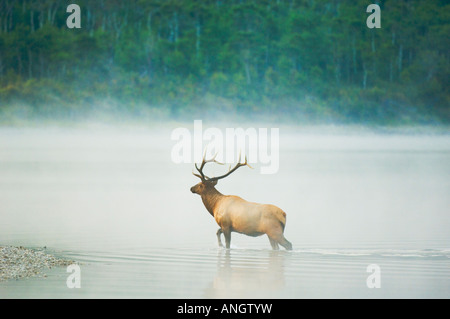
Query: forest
[{"x": 298, "y": 61}]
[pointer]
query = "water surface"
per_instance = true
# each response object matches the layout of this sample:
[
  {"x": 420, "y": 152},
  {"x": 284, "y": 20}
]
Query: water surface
[{"x": 113, "y": 200}]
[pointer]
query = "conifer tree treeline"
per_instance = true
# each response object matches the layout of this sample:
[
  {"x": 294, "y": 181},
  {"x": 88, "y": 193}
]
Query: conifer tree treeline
[{"x": 313, "y": 59}]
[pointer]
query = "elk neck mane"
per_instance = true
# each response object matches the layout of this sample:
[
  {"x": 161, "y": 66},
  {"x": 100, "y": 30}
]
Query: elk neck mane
[{"x": 210, "y": 197}]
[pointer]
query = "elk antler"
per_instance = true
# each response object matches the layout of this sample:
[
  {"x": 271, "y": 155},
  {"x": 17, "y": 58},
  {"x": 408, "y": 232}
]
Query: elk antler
[
  {"x": 202, "y": 176},
  {"x": 239, "y": 164}
]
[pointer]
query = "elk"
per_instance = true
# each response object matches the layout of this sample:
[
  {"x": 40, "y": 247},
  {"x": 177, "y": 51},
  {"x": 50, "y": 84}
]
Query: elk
[{"x": 234, "y": 214}]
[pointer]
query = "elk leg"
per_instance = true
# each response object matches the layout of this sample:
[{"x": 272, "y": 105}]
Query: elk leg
[
  {"x": 284, "y": 242},
  {"x": 227, "y": 235},
  {"x": 273, "y": 243},
  {"x": 219, "y": 232}
]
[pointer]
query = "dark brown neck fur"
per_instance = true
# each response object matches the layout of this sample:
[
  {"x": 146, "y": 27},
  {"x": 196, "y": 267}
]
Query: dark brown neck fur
[{"x": 210, "y": 197}]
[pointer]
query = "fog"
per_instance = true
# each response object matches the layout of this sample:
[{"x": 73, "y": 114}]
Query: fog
[
  {"x": 91, "y": 190},
  {"x": 120, "y": 187}
]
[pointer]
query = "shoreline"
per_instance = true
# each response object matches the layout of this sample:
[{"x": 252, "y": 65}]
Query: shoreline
[{"x": 20, "y": 262}]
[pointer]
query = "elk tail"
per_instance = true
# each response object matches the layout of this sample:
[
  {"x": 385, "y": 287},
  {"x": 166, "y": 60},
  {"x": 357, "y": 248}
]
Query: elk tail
[{"x": 282, "y": 219}]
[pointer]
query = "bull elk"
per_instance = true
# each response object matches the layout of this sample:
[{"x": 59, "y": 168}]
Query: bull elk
[{"x": 234, "y": 214}]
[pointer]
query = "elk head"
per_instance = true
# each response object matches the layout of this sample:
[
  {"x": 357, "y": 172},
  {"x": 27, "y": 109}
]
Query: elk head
[{"x": 208, "y": 183}]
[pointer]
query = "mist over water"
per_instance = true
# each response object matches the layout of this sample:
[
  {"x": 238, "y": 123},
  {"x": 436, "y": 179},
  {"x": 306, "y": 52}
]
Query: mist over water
[
  {"x": 92, "y": 93},
  {"x": 113, "y": 199}
]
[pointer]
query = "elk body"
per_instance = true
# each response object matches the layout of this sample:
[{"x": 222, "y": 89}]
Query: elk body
[{"x": 234, "y": 214}]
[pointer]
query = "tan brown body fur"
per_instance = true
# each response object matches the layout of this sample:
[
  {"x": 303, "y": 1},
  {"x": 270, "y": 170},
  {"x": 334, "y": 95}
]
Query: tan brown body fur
[{"x": 233, "y": 213}]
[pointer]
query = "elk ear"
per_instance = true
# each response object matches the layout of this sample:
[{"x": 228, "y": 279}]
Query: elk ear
[{"x": 214, "y": 182}]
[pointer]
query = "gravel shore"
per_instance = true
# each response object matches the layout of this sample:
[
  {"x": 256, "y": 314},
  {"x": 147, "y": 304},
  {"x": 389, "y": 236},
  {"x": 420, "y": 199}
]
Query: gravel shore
[{"x": 20, "y": 262}]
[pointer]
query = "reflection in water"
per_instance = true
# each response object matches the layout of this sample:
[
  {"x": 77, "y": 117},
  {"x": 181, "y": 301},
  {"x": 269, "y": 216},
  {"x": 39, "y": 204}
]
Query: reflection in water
[
  {"x": 244, "y": 273},
  {"x": 113, "y": 200},
  {"x": 248, "y": 275}
]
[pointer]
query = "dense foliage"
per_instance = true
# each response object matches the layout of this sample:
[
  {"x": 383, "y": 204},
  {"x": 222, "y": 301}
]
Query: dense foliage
[{"x": 297, "y": 59}]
